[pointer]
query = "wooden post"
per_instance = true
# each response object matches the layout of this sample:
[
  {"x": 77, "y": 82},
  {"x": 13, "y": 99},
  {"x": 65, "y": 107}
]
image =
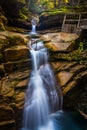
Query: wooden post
[
  {"x": 78, "y": 25},
  {"x": 63, "y": 22}
]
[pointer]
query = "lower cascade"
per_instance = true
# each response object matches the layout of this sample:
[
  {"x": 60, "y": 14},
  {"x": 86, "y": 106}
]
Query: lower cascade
[{"x": 41, "y": 96}]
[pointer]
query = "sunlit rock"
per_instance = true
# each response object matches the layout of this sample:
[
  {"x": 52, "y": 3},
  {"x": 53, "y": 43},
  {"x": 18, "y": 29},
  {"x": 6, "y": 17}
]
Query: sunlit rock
[
  {"x": 60, "y": 41},
  {"x": 15, "y": 53},
  {"x": 64, "y": 77}
]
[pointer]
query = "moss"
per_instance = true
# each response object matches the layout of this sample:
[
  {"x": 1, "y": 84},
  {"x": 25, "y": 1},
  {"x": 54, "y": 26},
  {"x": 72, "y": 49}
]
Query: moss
[
  {"x": 2, "y": 28},
  {"x": 25, "y": 11},
  {"x": 65, "y": 9},
  {"x": 3, "y": 19},
  {"x": 23, "y": 16},
  {"x": 15, "y": 40}
]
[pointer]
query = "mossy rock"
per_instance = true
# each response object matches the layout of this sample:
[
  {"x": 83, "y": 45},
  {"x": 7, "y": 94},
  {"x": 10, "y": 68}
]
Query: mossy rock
[
  {"x": 24, "y": 13},
  {"x": 15, "y": 40}
]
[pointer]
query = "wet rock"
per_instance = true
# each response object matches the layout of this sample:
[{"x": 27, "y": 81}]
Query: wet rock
[
  {"x": 76, "y": 97},
  {"x": 60, "y": 41},
  {"x": 12, "y": 66},
  {"x": 64, "y": 77},
  {"x": 7, "y": 89},
  {"x": 72, "y": 77},
  {"x": 16, "y": 53},
  {"x": 20, "y": 98},
  {"x": 23, "y": 84},
  {"x": 12, "y": 96},
  {"x": 10, "y": 39},
  {"x": 6, "y": 110},
  {"x": 15, "y": 38}
]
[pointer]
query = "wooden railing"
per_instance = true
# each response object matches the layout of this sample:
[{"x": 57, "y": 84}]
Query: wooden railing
[{"x": 77, "y": 20}]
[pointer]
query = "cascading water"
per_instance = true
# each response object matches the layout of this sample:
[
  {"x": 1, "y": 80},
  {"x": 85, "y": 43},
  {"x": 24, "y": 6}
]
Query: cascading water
[
  {"x": 34, "y": 22},
  {"x": 41, "y": 97}
]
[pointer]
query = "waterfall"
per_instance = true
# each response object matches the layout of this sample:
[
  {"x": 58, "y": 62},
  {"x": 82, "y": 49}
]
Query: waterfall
[
  {"x": 33, "y": 29},
  {"x": 41, "y": 96},
  {"x": 34, "y": 22}
]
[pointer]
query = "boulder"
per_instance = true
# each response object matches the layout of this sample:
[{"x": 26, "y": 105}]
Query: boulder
[
  {"x": 60, "y": 41},
  {"x": 16, "y": 53}
]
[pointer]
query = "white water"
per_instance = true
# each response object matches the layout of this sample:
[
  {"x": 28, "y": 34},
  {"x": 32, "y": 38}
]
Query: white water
[
  {"x": 34, "y": 22},
  {"x": 33, "y": 30},
  {"x": 41, "y": 96}
]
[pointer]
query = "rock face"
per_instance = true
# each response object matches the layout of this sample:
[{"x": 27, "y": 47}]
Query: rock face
[
  {"x": 16, "y": 11},
  {"x": 50, "y": 21},
  {"x": 12, "y": 7}
]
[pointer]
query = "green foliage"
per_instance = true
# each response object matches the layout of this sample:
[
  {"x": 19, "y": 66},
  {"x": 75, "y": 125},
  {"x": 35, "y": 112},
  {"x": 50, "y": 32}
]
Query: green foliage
[
  {"x": 85, "y": 45},
  {"x": 56, "y": 11},
  {"x": 81, "y": 47}
]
